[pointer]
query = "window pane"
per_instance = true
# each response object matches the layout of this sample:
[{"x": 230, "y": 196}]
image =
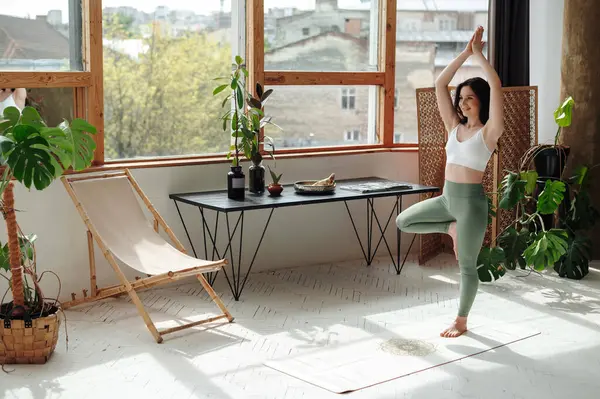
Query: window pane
[
  {"x": 159, "y": 70},
  {"x": 321, "y": 35},
  {"x": 40, "y": 35},
  {"x": 315, "y": 116},
  {"x": 53, "y": 105},
  {"x": 427, "y": 41}
]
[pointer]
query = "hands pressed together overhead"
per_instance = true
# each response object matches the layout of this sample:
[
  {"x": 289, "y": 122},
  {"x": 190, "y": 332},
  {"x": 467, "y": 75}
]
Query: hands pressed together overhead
[{"x": 475, "y": 45}]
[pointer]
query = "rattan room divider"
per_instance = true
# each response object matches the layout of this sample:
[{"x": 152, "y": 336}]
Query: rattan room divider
[{"x": 520, "y": 133}]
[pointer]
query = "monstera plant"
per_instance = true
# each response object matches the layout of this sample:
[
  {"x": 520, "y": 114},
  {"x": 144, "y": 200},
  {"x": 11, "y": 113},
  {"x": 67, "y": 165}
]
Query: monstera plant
[
  {"x": 530, "y": 241},
  {"x": 34, "y": 155}
]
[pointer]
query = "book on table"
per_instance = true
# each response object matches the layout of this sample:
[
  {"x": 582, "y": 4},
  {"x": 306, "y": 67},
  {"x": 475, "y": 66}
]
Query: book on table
[{"x": 377, "y": 186}]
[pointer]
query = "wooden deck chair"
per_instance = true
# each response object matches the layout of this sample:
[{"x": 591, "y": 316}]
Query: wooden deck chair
[{"x": 116, "y": 221}]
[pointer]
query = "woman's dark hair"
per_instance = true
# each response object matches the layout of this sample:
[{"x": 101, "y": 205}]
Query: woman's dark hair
[{"x": 481, "y": 88}]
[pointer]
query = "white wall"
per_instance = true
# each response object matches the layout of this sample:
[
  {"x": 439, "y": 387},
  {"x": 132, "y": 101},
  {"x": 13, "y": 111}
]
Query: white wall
[
  {"x": 296, "y": 236},
  {"x": 545, "y": 43}
]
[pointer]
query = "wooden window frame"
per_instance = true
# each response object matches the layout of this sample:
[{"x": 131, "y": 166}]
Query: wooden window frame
[
  {"x": 384, "y": 78},
  {"x": 88, "y": 95}
]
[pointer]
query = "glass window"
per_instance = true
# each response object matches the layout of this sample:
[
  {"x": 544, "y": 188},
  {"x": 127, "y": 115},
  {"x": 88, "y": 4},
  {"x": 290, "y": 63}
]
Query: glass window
[
  {"x": 41, "y": 35},
  {"x": 311, "y": 116},
  {"x": 421, "y": 55},
  {"x": 348, "y": 98},
  {"x": 159, "y": 70},
  {"x": 321, "y": 36}
]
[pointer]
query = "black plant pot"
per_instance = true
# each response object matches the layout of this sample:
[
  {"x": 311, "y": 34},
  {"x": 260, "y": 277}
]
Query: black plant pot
[
  {"x": 550, "y": 161},
  {"x": 236, "y": 183},
  {"x": 256, "y": 178}
]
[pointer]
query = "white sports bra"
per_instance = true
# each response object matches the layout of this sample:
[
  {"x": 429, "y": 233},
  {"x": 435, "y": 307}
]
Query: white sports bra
[{"x": 472, "y": 153}]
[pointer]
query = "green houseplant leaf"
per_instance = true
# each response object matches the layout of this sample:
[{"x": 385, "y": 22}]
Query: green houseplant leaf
[
  {"x": 563, "y": 114},
  {"x": 530, "y": 177},
  {"x": 514, "y": 243},
  {"x": 551, "y": 197},
  {"x": 83, "y": 144},
  {"x": 490, "y": 264},
  {"x": 513, "y": 191},
  {"x": 30, "y": 160},
  {"x": 12, "y": 114},
  {"x": 546, "y": 249},
  {"x": 575, "y": 263}
]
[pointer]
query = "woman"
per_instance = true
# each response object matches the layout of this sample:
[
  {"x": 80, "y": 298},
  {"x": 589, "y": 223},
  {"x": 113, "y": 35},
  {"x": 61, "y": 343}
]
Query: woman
[
  {"x": 474, "y": 123},
  {"x": 12, "y": 98}
]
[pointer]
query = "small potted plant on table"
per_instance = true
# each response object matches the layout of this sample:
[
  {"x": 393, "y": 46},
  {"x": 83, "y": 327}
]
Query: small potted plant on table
[{"x": 275, "y": 188}]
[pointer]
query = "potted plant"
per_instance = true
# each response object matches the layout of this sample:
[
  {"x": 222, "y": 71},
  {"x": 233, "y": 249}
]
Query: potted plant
[
  {"x": 32, "y": 154},
  {"x": 275, "y": 188},
  {"x": 245, "y": 121},
  {"x": 528, "y": 241},
  {"x": 550, "y": 159}
]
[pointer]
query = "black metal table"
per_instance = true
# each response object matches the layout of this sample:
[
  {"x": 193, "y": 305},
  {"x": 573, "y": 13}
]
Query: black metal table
[{"x": 218, "y": 201}]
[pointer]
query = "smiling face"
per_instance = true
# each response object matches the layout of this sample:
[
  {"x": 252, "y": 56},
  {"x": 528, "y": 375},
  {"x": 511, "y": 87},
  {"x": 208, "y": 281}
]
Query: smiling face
[{"x": 469, "y": 103}]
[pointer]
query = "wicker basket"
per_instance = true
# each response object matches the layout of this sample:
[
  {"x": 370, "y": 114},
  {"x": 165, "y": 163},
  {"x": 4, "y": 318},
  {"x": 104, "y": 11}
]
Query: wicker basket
[{"x": 28, "y": 341}]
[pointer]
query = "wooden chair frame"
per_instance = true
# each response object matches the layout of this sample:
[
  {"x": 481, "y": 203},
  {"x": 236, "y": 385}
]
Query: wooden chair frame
[{"x": 131, "y": 287}]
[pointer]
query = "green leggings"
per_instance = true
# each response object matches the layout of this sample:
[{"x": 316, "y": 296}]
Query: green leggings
[{"x": 468, "y": 206}]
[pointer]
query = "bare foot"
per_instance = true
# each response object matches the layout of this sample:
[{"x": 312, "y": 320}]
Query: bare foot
[
  {"x": 452, "y": 233},
  {"x": 456, "y": 329}
]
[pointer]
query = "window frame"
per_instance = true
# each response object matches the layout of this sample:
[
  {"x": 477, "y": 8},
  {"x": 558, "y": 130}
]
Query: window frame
[{"x": 89, "y": 96}]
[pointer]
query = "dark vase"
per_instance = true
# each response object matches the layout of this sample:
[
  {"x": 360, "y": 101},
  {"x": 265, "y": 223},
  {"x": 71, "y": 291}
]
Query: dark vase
[
  {"x": 550, "y": 162},
  {"x": 256, "y": 178},
  {"x": 236, "y": 183}
]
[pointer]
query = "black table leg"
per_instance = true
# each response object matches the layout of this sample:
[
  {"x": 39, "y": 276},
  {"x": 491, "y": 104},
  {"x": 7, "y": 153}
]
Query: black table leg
[
  {"x": 370, "y": 253},
  {"x": 235, "y": 281}
]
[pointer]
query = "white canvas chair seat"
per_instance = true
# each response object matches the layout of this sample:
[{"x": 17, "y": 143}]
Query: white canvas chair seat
[
  {"x": 115, "y": 220},
  {"x": 115, "y": 211}
]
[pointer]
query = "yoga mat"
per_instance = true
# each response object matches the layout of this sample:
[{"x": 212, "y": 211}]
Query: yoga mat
[{"x": 353, "y": 359}]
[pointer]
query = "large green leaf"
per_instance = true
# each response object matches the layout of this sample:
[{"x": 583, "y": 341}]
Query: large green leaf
[
  {"x": 514, "y": 243},
  {"x": 547, "y": 249},
  {"x": 575, "y": 263},
  {"x": 22, "y": 132},
  {"x": 580, "y": 176},
  {"x": 83, "y": 144},
  {"x": 551, "y": 197},
  {"x": 31, "y": 117},
  {"x": 530, "y": 177},
  {"x": 582, "y": 215},
  {"x": 61, "y": 147},
  {"x": 30, "y": 161},
  {"x": 563, "y": 114},
  {"x": 513, "y": 191},
  {"x": 489, "y": 264},
  {"x": 4, "y": 125},
  {"x": 12, "y": 114}
]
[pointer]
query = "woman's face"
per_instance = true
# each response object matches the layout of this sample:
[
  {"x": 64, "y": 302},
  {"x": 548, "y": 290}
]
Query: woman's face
[{"x": 469, "y": 103}]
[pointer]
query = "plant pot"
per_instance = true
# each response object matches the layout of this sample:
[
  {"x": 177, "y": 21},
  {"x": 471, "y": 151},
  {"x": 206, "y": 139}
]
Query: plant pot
[
  {"x": 236, "y": 183},
  {"x": 275, "y": 189},
  {"x": 28, "y": 340},
  {"x": 550, "y": 161},
  {"x": 256, "y": 178}
]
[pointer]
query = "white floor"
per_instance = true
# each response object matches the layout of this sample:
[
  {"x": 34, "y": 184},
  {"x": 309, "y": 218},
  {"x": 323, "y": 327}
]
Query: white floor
[{"x": 112, "y": 355}]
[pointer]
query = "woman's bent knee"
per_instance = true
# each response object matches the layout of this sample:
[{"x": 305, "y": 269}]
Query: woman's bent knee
[{"x": 402, "y": 222}]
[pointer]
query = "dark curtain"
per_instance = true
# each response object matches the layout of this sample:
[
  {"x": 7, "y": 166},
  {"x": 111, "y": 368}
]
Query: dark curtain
[{"x": 511, "y": 41}]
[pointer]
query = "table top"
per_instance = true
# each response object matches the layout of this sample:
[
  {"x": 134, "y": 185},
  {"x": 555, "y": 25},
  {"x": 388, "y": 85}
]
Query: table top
[{"x": 217, "y": 200}]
